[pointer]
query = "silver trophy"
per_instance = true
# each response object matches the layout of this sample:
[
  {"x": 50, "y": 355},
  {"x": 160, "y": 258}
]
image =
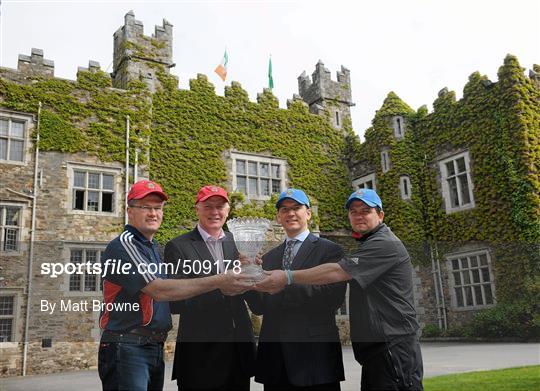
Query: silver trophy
[{"x": 249, "y": 235}]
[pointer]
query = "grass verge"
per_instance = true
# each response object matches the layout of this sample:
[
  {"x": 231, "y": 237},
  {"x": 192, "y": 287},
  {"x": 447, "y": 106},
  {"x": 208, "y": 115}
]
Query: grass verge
[{"x": 521, "y": 378}]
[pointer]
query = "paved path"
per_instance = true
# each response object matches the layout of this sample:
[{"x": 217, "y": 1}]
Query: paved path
[{"x": 439, "y": 359}]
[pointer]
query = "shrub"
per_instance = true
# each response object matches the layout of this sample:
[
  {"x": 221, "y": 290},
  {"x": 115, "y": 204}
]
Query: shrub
[
  {"x": 431, "y": 331},
  {"x": 519, "y": 319}
]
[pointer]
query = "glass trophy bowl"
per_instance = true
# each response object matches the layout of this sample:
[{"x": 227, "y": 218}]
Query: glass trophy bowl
[{"x": 249, "y": 236}]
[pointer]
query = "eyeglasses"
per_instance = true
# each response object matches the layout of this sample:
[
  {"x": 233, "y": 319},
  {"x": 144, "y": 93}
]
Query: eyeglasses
[{"x": 148, "y": 209}]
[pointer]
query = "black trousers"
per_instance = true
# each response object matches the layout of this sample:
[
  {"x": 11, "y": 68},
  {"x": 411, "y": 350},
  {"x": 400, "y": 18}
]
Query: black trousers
[
  {"x": 237, "y": 381},
  {"x": 319, "y": 387},
  {"x": 281, "y": 380},
  {"x": 397, "y": 366}
]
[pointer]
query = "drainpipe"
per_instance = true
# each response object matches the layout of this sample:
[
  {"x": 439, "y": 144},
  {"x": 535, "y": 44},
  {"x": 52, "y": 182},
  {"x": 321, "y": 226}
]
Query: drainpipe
[
  {"x": 436, "y": 286},
  {"x": 436, "y": 268},
  {"x": 439, "y": 276},
  {"x": 126, "y": 190},
  {"x": 32, "y": 239},
  {"x": 136, "y": 166}
]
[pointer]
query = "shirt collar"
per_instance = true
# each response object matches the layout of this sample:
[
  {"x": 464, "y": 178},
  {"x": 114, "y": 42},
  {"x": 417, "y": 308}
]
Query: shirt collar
[
  {"x": 138, "y": 235},
  {"x": 300, "y": 237},
  {"x": 364, "y": 237},
  {"x": 206, "y": 236}
]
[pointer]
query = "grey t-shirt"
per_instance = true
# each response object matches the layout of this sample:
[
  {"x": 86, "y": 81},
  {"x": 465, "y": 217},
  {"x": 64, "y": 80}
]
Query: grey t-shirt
[{"x": 381, "y": 295}]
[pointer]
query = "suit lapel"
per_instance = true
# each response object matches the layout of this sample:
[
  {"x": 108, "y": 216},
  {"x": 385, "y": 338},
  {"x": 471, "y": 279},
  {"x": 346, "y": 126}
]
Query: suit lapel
[
  {"x": 276, "y": 263},
  {"x": 229, "y": 248},
  {"x": 304, "y": 252}
]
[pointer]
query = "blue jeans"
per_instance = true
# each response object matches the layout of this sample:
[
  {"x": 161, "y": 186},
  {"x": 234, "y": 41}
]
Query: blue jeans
[{"x": 131, "y": 366}]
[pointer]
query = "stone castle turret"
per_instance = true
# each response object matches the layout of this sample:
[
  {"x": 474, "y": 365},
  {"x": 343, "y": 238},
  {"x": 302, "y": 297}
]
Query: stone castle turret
[
  {"x": 137, "y": 57},
  {"x": 322, "y": 94}
]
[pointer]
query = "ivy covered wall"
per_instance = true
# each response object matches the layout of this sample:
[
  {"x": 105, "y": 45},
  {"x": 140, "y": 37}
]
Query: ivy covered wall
[
  {"x": 192, "y": 130},
  {"x": 81, "y": 115},
  {"x": 189, "y": 133},
  {"x": 498, "y": 123}
]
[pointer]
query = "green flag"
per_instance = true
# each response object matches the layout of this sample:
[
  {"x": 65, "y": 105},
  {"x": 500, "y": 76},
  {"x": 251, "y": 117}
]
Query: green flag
[{"x": 270, "y": 79}]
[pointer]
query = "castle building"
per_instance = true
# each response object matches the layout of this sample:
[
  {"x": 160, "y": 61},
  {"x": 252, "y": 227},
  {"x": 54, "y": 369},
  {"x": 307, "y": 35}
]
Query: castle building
[{"x": 460, "y": 185}]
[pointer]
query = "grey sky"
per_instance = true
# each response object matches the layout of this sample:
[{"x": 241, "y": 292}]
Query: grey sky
[{"x": 414, "y": 47}]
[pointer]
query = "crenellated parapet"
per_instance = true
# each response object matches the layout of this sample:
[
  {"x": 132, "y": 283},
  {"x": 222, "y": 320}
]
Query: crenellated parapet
[
  {"x": 321, "y": 86},
  {"x": 138, "y": 57},
  {"x": 35, "y": 64},
  {"x": 326, "y": 96},
  {"x": 93, "y": 67}
]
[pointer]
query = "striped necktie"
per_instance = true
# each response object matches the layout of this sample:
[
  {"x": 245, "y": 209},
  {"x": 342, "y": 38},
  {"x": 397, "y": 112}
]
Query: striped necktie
[{"x": 288, "y": 254}]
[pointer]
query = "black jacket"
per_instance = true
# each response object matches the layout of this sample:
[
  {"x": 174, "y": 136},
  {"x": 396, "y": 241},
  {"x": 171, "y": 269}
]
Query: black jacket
[
  {"x": 215, "y": 333},
  {"x": 299, "y": 331}
]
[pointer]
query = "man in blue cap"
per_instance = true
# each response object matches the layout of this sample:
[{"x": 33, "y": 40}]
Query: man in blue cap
[
  {"x": 382, "y": 315},
  {"x": 299, "y": 346}
]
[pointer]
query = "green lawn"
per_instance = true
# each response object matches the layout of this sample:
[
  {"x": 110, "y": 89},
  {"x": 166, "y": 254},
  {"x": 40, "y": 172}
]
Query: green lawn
[{"x": 522, "y": 378}]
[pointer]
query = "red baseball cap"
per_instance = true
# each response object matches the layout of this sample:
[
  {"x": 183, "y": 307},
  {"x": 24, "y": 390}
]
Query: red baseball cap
[
  {"x": 209, "y": 191},
  {"x": 142, "y": 188}
]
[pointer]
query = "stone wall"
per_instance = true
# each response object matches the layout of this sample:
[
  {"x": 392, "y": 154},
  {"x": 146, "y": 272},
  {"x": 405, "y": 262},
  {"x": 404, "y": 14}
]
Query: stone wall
[{"x": 72, "y": 335}]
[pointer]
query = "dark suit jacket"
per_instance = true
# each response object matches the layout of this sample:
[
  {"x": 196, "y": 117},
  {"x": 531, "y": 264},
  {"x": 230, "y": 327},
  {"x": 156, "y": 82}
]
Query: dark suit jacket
[
  {"x": 215, "y": 334},
  {"x": 299, "y": 330}
]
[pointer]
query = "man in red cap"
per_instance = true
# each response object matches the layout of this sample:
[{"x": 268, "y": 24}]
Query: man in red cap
[
  {"x": 136, "y": 318},
  {"x": 215, "y": 349}
]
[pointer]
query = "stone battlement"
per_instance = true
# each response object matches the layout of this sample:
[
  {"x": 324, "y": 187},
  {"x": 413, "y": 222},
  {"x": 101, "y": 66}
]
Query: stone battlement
[
  {"x": 135, "y": 54},
  {"x": 321, "y": 86},
  {"x": 35, "y": 64}
]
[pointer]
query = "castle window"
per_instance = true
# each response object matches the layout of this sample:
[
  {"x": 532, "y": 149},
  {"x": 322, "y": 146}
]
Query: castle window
[
  {"x": 405, "y": 187},
  {"x": 7, "y": 317},
  {"x": 256, "y": 176},
  {"x": 399, "y": 127},
  {"x": 338, "y": 122},
  {"x": 385, "y": 161},
  {"x": 457, "y": 186},
  {"x": 471, "y": 280},
  {"x": 93, "y": 189},
  {"x": 365, "y": 182},
  {"x": 13, "y": 134},
  {"x": 10, "y": 225},
  {"x": 85, "y": 282}
]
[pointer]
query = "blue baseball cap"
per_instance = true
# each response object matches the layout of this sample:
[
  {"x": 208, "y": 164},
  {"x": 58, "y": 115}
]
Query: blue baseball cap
[
  {"x": 295, "y": 195},
  {"x": 368, "y": 196}
]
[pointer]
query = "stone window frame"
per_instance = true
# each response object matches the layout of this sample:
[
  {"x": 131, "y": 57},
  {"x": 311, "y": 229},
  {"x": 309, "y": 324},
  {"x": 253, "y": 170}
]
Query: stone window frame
[
  {"x": 258, "y": 159},
  {"x": 337, "y": 119},
  {"x": 445, "y": 186},
  {"x": 456, "y": 258},
  {"x": 385, "y": 160},
  {"x": 3, "y": 227},
  {"x": 398, "y": 125},
  {"x": 28, "y": 121},
  {"x": 95, "y": 169},
  {"x": 405, "y": 187},
  {"x": 65, "y": 284},
  {"x": 343, "y": 311},
  {"x": 358, "y": 182},
  {"x": 16, "y": 293}
]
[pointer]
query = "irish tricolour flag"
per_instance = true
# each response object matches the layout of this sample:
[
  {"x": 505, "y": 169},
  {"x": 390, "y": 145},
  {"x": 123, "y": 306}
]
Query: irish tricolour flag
[{"x": 221, "y": 69}]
